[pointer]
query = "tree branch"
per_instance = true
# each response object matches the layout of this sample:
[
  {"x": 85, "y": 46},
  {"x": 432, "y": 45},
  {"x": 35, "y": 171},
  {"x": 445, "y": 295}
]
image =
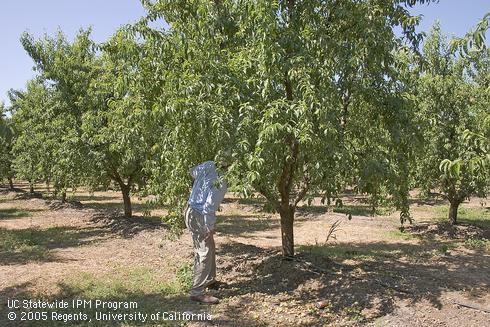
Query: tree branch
[
  {"x": 114, "y": 173},
  {"x": 268, "y": 195}
]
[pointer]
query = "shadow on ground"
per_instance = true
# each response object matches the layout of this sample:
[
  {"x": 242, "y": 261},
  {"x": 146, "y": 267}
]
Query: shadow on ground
[
  {"x": 114, "y": 205},
  {"x": 96, "y": 197},
  {"x": 350, "y": 209},
  {"x": 352, "y": 279},
  {"x": 20, "y": 246},
  {"x": 245, "y": 224},
  {"x": 118, "y": 224},
  {"x": 147, "y": 303},
  {"x": 430, "y": 201},
  {"x": 15, "y": 213}
]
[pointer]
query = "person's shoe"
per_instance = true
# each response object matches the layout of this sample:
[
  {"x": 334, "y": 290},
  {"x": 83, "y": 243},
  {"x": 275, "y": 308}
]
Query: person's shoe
[
  {"x": 216, "y": 285},
  {"x": 207, "y": 299}
]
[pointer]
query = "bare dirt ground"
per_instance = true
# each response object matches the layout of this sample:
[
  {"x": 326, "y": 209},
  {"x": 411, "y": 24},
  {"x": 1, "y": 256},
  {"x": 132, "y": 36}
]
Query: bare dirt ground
[{"x": 367, "y": 274}]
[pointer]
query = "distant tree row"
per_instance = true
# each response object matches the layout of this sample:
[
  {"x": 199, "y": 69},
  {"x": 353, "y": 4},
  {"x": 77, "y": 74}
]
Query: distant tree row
[{"x": 304, "y": 98}]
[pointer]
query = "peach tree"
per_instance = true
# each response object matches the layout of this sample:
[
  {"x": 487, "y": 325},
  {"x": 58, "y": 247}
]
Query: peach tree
[{"x": 302, "y": 94}]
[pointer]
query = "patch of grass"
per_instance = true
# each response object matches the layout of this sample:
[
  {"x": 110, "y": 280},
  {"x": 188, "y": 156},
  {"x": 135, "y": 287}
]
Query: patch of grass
[
  {"x": 104, "y": 205},
  {"x": 477, "y": 243},
  {"x": 378, "y": 251},
  {"x": 355, "y": 210},
  {"x": 18, "y": 245},
  {"x": 120, "y": 280},
  {"x": 123, "y": 279},
  {"x": 95, "y": 197},
  {"x": 397, "y": 234},
  {"x": 346, "y": 252},
  {"x": 354, "y": 313},
  {"x": 119, "y": 206},
  {"x": 185, "y": 276},
  {"x": 11, "y": 213},
  {"x": 251, "y": 201},
  {"x": 144, "y": 287},
  {"x": 30, "y": 240},
  {"x": 475, "y": 216},
  {"x": 311, "y": 209},
  {"x": 441, "y": 249},
  {"x": 236, "y": 223}
]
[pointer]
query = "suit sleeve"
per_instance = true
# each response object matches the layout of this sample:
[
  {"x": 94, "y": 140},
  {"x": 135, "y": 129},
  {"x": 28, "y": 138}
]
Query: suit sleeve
[{"x": 214, "y": 199}]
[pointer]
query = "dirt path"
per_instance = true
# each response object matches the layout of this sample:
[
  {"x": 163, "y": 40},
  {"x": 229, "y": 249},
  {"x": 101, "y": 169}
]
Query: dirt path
[{"x": 368, "y": 274}]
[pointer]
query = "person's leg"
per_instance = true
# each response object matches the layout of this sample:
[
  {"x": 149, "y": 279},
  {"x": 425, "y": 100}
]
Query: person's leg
[
  {"x": 208, "y": 273},
  {"x": 212, "y": 261},
  {"x": 204, "y": 254}
]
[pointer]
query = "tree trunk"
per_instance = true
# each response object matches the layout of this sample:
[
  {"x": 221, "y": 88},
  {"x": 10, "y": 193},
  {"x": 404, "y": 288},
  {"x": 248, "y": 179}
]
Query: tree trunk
[
  {"x": 31, "y": 188},
  {"x": 125, "y": 189},
  {"x": 453, "y": 212},
  {"x": 63, "y": 196},
  {"x": 11, "y": 184},
  {"x": 287, "y": 219}
]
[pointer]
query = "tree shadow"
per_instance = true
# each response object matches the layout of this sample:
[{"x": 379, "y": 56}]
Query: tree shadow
[
  {"x": 119, "y": 206},
  {"x": 352, "y": 209},
  {"x": 95, "y": 197},
  {"x": 352, "y": 278},
  {"x": 21, "y": 246},
  {"x": 465, "y": 229},
  {"x": 117, "y": 223},
  {"x": 431, "y": 201},
  {"x": 231, "y": 198},
  {"x": 482, "y": 223},
  {"x": 148, "y": 303},
  {"x": 15, "y": 213},
  {"x": 6, "y": 189},
  {"x": 245, "y": 224}
]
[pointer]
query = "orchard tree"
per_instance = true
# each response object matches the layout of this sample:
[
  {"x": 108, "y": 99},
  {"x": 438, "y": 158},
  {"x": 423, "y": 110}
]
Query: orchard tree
[
  {"x": 450, "y": 102},
  {"x": 473, "y": 46},
  {"x": 301, "y": 93},
  {"x": 66, "y": 68},
  {"x": 479, "y": 136},
  {"x": 43, "y": 143},
  {"x": 6, "y": 142},
  {"x": 99, "y": 109},
  {"x": 31, "y": 149},
  {"x": 113, "y": 127}
]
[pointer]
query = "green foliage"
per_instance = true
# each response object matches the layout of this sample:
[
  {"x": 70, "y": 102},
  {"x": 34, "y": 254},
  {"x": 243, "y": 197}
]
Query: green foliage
[
  {"x": 32, "y": 148},
  {"x": 175, "y": 222},
  {"x": 474, "y": 40},
  {"x": 6, "y": 143},
  {"x": 450, "y": 99},
  {"x": 84, "y": 121},
  {"x": 302, "y": 93}
]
